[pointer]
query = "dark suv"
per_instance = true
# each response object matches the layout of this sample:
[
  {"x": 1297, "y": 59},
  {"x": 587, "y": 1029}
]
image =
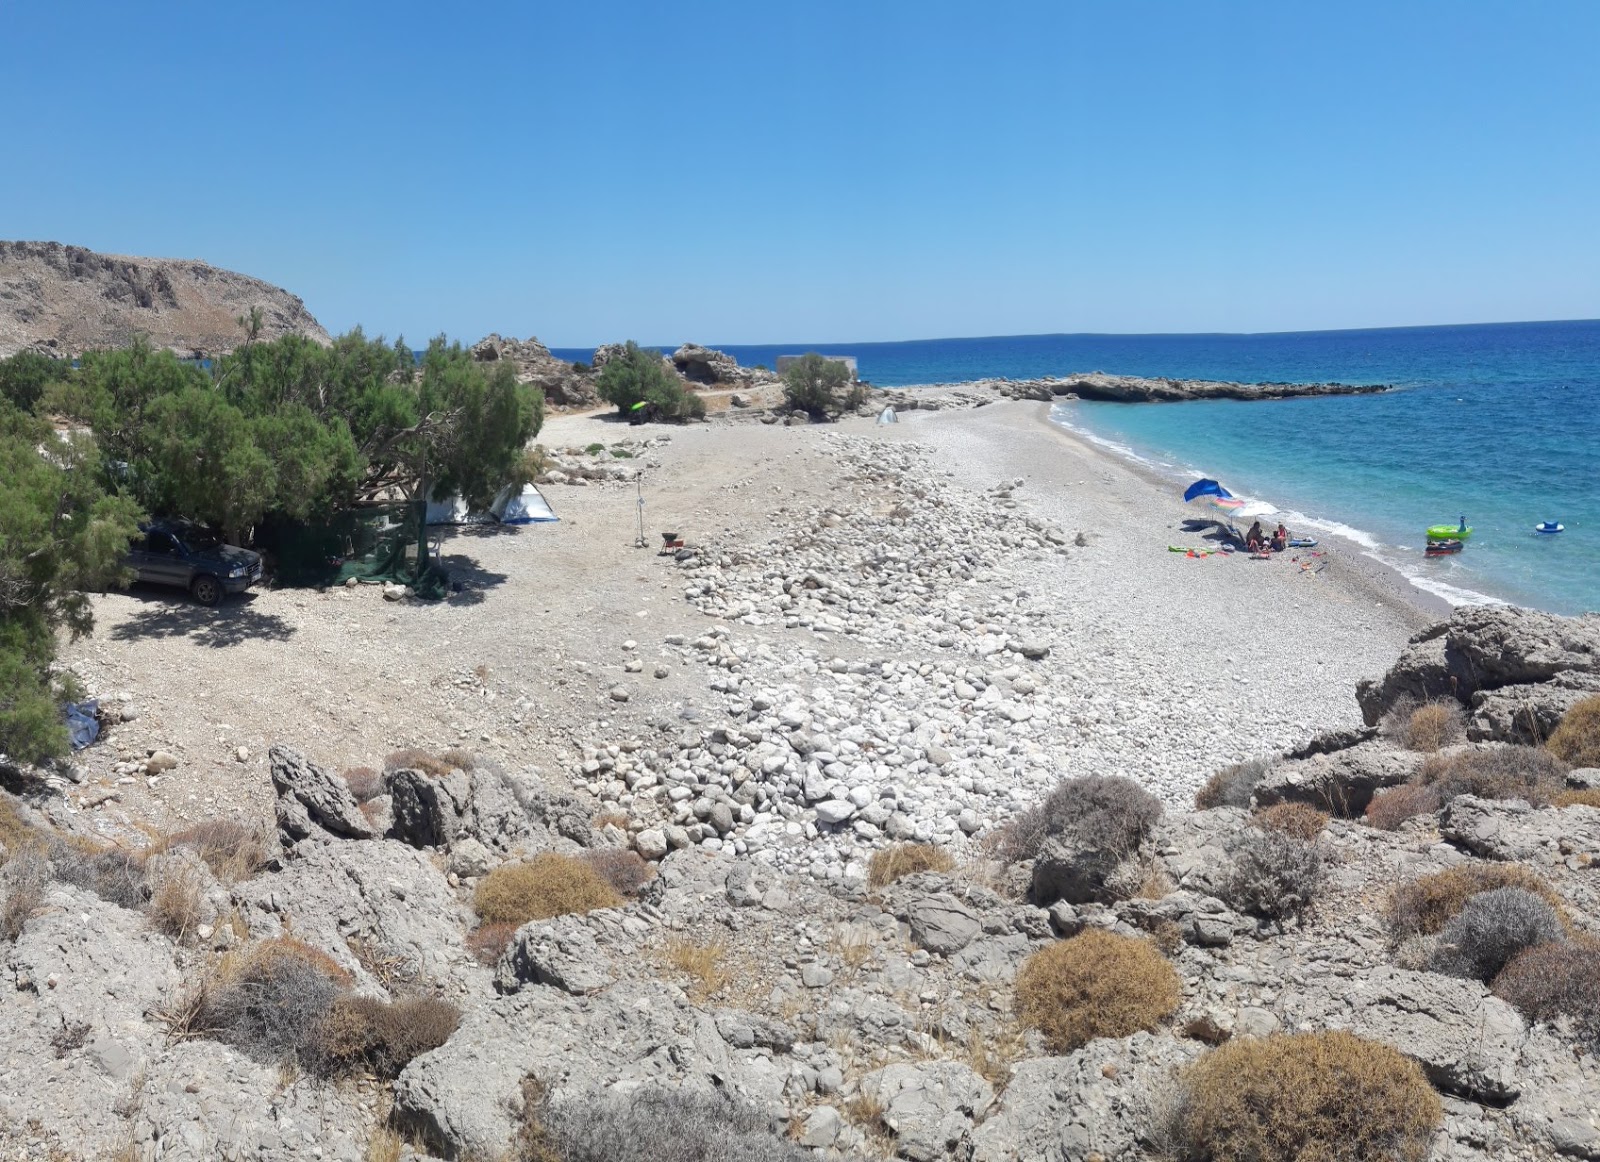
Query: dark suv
[{"x": 191, "y": 556}]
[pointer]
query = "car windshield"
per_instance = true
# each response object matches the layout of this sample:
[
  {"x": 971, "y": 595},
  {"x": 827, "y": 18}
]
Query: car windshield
[{"x": 199, "y": 540}]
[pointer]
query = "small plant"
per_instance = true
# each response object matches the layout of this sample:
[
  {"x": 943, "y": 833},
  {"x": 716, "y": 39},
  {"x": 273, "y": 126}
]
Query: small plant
[
  {"x": 1583, "y": 797},
  {"x": 487, "y": 942},
  {"x": 1425, "y": 905},
  {"x": 15, "y": 834},
  {"x": 365, "y": 1035},
  {"x": 548, "y": 885},
  {"x": 231, "y": 850},
  {"x": 1112, "y": 813},
  {"x": 1491, "y": 928},
  {"x": 595, "y": 449},
  {"x": 1502, "y": 772},
  {"x": 1554, "y": 980},
  {"x": 653, "y": 1124},
  {"x": 412, "y": 759},
  {"x": 1425, "y": 726},
  {"x": 115, "y": 875},
  {"x": 1298, "y": 820},
  {"x": 705, "y": 964},
  {"x": 1273, "y": 875},
  {"x": 889, "y": 864},
  {"x": 624, "y": 870},
  {"x": 821, "y": 386},
  {"x": 268, "y": 999},
  {"x": 1305, "y": 1097},
  {"x": 365, "y": 783},
  {"x": 1232, "y": 786},
  {"x": 175, "y": 905},
  {"x": 1097, "y": 984},
  {"x": 1392, "y": 806},
  {"x": 1576, "y": 741},
  {"x": 455, "y": 757},
  {"x": 23, "y": 880}
]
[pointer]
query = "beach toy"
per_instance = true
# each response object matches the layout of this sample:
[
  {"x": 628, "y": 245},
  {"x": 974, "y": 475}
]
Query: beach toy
[
  {"x": 1549, "y": 526},
  {"x": 1449, "y": 533},
  {"x": 1303, "y": 543},
  {"x": 1443, "y": 548}
]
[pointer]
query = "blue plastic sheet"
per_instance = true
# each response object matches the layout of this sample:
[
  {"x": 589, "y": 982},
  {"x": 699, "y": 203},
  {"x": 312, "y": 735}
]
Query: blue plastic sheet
[{"x": 82, "y": 725}]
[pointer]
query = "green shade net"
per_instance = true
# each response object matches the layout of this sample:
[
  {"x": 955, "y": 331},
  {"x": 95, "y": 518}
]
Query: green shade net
[{"x": 372, "y": 543}]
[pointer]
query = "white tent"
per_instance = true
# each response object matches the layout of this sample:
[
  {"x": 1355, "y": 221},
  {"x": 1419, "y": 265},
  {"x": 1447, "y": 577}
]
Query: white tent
[
  {"x": 452, "y": 510},
  {"x": 887, "y": 416},
  {"x": 523, "y": 506}
]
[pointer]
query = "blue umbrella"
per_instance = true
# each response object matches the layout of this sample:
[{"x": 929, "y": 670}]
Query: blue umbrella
[{"x": 1206, "y": 488}]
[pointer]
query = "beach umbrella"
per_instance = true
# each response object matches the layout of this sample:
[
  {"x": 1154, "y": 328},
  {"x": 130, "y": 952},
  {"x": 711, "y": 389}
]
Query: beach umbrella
[
  {"x": 1206, "y": 487},
  {"x": 1209, "y": 494}
]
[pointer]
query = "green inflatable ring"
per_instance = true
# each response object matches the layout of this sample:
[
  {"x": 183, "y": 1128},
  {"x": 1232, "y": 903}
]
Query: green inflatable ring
[{"x": 1448, "y": 533}]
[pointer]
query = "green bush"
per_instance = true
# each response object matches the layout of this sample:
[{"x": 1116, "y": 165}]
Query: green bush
[
  {"x": 638, "y": 375},
  {"x": 25, "y": 376},
  {"x": 1576, "y": 740},
  {"x": 821, "y": 386},
  {"x": 1306, "y": 1097},
  {"x": 1098, "y": 984}
]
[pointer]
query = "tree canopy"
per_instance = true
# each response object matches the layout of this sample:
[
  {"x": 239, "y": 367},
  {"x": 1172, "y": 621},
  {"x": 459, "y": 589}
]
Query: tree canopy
[
  {"x": 821, "y": 386},
  {"x": 639, "y": 375}
]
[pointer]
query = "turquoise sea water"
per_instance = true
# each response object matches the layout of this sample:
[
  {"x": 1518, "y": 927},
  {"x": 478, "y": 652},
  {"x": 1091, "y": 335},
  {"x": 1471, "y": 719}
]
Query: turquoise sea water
[{"x": 1497, "y": 422}]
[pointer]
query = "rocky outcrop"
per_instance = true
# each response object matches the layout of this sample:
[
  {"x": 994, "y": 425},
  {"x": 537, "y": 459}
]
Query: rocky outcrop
[
  {"x": 1097, "y": 385},
  {"x": 1516, "y": 670},
  {"x": 312, "y": 801},
  {"x": 64, "y": 300},
  {"x": 1342, "y": 782},
  {"x": 705, "y": 365},
  {"x": 564, "y": 384}
]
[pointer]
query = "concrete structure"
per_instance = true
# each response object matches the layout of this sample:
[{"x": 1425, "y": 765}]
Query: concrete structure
[{"x": 848, "y": 360}]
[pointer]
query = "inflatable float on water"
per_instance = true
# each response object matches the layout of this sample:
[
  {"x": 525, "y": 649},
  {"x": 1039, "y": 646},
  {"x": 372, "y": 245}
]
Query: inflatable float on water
[
  {"x": 1449, "y": 532},
  {"x": 1443, "y": 548},
  {"x": 1549, "y": 527}
]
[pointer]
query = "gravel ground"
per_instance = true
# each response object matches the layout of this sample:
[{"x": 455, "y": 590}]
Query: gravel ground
[{"x": 1159, "y": 666}]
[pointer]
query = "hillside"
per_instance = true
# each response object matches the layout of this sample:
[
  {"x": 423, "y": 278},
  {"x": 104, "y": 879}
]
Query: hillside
[{"x": 65, "y": 300}]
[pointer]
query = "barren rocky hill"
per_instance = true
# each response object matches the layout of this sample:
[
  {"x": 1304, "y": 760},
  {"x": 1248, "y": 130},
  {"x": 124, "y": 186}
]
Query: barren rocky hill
[{"x": 64, "y": 300}]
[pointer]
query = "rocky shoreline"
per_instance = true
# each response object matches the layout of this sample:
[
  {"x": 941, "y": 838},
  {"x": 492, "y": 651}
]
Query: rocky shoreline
[{"x": 1099, "y": 386}]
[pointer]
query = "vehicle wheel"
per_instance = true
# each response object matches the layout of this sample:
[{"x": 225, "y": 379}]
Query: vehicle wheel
[{"x": 206, "y": 590}]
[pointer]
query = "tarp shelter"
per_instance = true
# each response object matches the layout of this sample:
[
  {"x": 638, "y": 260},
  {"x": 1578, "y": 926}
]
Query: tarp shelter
[
  {"x": 887, "y": 416},
  {"x": 522, "y": 506},
  {"x": 452, "y": 511},
  {"x": 382, "y": 541}
]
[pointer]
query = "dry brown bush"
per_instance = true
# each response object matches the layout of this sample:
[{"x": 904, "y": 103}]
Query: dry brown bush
[
  {"x": 1576, "y": 740},
  {"x": 175, "y": 904},
  {"x": 1095, "y": 985},
  {"x": 23, "y": 879},
  {"x": 903, "y": 859},
  {"x": 1300, "y": 820},
  {"x": 412, "y": 759},
  {"x": 1305, "y": 1097},
  {"x": 1232, "y": 786},
  {"x": 112, "y": 873},
  {"x": 456, "y": 757},
  {"x": 15, "y": 834},
  {"x": 384, "y": 1146},
  {"x": 1115, "y": 813},
  {"x": 626, "y": 871},
  {"x": 1425, "y": 905},
  {"x": 364, "y": 783},
  {"x": 487, "y": 941},
  {"x": 268, "y": 999},
  {"x": 548, "y": 885},
  {"x": 1583, "y": 797},
  {"x": 1555, "y": 980},
  {"x": 1431, "y": 726},
  {"x": 1392, "y": 806},
  {"x": 705, "y": 964},
  {"x": 1503, "y": 772},
  {"x": 231, "y": 850},
  {"x": 365, "y": 1035}
]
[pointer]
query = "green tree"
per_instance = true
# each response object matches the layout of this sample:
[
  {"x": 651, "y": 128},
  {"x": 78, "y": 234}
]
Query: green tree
[
  {"x": 821, "y": 386},
  {"x": 640, "y": 375},
  {"x": 60, "y": 535},
  {"x": 203, "y": 462},
  {"x": 24, "y": 377}
]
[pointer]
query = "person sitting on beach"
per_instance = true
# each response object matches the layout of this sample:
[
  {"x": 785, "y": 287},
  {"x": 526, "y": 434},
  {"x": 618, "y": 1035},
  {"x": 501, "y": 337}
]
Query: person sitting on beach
[
  {"x": 1280, "y": 539},
  {"x": 1255, "y": 538}
]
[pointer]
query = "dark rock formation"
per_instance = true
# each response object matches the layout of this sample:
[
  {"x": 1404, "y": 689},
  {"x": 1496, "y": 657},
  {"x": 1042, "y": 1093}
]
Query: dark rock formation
[
  {"x": 564, "y": 384},
  {"x": 1097, "y": 385}
]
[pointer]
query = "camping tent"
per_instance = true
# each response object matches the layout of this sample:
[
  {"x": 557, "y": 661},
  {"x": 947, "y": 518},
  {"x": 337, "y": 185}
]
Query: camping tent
[
  {"x": 522, "y": 506},
  {"x": 452, "y": 510}
]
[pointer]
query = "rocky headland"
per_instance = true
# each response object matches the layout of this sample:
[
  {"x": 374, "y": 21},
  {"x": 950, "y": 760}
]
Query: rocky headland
[
  {"x": 1097, "y": 385},
  {"x": 64, "y": 300},
  {"x": 810, "y": 812}
]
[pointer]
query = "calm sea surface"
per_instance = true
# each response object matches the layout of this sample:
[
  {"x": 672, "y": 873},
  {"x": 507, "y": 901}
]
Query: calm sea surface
[{"x": 1496, "y": 422}]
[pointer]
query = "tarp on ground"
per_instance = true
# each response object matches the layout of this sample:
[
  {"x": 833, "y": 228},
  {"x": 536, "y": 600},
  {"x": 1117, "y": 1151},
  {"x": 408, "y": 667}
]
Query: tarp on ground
[
  {"x": 383, "y": 541},
  {"x": 522, "y": 506}
]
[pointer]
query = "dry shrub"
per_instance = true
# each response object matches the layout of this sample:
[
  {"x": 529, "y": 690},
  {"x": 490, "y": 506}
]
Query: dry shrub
[
  {"x": 486, "y": 942},
  {"x": 412, "y": 759},
  {"x": 1272, "y": 875},
  {"x": 1502, "y": 772},
  {"x": 455, "y": 758},
  {"x": 1492, "y": 928},
  {"x": 903, "y": 859},
  {"x": 604, "y": 819},
  {"x": 1301, "y": 821},
  {"x": 1576, "y": 740},
  {"x": 269, "y": 999},
  {"x": 1112, "y": 813},
  {"x": 364, "y": 783},
  {"x": 548, "y": 885},
  {"x": 175, "y": 904},
  {"x": 705, "y": 964},
  {"x": 115, "y": 875},
  {"x": 1427, "y": 727},
  {"x": 231, "y": 850},
  {"x": 384, "y": 1146},
  {"x": 1425, "y": 905},
  {"x": 653, "y": 1124},
  {"x": 1583, "y": 797},
  {"x": 365, "y": 1035},
  {"x": 992, "y": 1053},
  {"x": 15, "y": 834},
  {"x": 1232, "y": 786},
  {"x": 23, "y": 879},
  {"x": 626, "y": 871},
  {"x": 1392, "y": 806},
  {"x": 1098, "y": 984},
  {"x": 1305, "y": 1097},
  {"x": 1554, "y": 980}
]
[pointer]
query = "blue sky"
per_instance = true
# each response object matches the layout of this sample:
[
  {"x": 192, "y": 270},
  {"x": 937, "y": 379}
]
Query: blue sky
[{"x": 786, "y": 172}]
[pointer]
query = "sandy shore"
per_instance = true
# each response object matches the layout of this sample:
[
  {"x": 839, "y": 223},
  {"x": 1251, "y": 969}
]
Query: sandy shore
[{"x": 1158, "y": 666}]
